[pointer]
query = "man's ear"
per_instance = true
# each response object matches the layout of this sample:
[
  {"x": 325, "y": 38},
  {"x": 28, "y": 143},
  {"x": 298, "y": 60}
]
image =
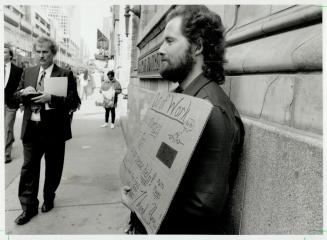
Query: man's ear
[{"x": 198, "y": 48}]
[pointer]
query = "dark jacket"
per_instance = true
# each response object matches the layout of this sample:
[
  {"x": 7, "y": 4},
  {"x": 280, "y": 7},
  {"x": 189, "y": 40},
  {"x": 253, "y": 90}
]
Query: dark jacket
[
  {"x": 12, "y": 84},
  {"x": 55, "y": 121},
  {"x": 201, "y": 197},
  {"x": 199, "y": 205}
]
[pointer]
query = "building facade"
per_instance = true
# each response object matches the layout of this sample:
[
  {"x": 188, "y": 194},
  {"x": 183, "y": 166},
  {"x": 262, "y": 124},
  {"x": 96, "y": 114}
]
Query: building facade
[
  {"x": 274, "y": 77},
  {"x": 24, "y": 23},
  {"x": 120, "y": 45},
  {"x": 68, "y": 37}
]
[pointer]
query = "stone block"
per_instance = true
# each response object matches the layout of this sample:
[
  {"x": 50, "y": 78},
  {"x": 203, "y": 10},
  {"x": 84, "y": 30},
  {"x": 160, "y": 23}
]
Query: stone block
[
  {"x": 219, "y": 9},
  {"x": 288, "y": 51},
  {"x": 309, "y": 54},
  {"x": 308, "y": 107},
  {"x": 293, "y": 100},
  {"x": 229, "y": 16},
  {"x": 248, "y": 93},
  {"x": 279, "y": 97},
  {"x": 284, "y": 184},
  {"x": 251, "y": 13}
]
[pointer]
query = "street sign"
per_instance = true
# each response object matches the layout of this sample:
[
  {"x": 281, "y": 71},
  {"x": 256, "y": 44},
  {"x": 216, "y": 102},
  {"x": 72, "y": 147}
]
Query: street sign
[{"x": 156, "y": 161}]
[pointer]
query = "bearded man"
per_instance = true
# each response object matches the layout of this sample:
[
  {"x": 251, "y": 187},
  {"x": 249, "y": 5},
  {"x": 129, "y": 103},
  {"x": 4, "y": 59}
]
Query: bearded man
[{"x": 192, "y": 55}]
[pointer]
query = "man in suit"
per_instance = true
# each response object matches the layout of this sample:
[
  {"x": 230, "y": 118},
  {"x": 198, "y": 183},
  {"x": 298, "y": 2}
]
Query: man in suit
[
  {"x": 12, "y": 78},
  {"x": 45, "y": 129},
  {"x": 192, "y": 55}
]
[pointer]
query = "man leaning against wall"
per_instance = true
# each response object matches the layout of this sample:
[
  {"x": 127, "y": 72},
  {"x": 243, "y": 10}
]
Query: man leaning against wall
[{"x": 192, "y": 55}]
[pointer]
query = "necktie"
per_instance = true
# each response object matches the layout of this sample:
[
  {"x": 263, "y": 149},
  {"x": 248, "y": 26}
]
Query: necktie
[
  {"x": 36, "y": 108},
  {"x": 40, "y": 85}
]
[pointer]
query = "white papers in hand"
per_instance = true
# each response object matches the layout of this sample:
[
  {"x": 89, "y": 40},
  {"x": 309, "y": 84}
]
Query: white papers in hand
[{"x": 55, "y": 86}]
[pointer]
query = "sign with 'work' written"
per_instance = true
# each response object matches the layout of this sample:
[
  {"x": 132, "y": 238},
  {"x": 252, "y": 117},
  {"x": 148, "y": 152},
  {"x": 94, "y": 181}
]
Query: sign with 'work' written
[{"x": 156, "y": 161}]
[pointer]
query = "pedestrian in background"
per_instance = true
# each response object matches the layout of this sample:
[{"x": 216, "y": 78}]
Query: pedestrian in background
[
  {"x": 12, "y": 75},
  {"x": 110, "y": 88},
  {"x": 45, "y": 129},
  {"x": 85, "y": 83},
  {"x": 192, "y": 55}
]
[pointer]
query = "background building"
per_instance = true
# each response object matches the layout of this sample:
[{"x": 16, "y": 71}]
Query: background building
[
  {"x": 119, "y": 45},
  {"x": 24, "y": 23},
  {"x": 274, "y": 77},
  {"x": 67, "y": 19}
]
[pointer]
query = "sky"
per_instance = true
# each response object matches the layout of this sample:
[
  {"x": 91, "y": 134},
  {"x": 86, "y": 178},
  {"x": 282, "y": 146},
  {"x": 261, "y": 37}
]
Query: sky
[{"x": 91, "y": 19}]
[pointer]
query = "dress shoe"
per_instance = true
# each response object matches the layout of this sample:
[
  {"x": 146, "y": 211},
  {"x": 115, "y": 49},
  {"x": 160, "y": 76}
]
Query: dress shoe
[
  {"x": 46, "y": 207},
  {"x": 25, "y": 217}
]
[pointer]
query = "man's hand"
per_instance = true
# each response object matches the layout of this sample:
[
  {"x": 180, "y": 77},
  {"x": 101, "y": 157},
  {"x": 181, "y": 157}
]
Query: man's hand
[
  {"x": 126, "y": 200},
  {"x": 44, "y": 98},
  {"x": 28, "y": 90}
]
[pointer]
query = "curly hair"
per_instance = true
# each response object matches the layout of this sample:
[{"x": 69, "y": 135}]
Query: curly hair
[{"x": 202, "y": 26}]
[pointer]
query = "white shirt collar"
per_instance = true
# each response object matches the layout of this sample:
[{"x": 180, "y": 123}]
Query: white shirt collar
[
  {"x": 8, "y": 64},
  {"x": 8, "y": 69},
  {"x": 48, "y": 71}
]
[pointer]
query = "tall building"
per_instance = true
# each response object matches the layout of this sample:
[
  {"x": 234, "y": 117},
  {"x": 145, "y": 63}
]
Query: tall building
[
  {"x": 22, "y": 24},
  {"x": 67, "y": 18},
  {"x": 106, "y": 27}
]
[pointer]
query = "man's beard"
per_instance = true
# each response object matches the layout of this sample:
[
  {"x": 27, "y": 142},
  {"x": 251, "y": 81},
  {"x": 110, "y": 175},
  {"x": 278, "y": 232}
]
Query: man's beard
[{"x": 180, "y": 70}]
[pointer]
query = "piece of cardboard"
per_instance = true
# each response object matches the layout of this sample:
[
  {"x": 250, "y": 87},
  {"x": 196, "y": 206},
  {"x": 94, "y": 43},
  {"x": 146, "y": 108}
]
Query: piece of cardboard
[
  {"x": 56, "y": 86},
  {"x": 156, "y": 161}
]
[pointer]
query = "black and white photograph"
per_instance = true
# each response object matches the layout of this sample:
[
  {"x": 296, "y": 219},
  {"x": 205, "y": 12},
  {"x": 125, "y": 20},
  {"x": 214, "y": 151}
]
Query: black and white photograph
[{"x": 162, "y": 118}]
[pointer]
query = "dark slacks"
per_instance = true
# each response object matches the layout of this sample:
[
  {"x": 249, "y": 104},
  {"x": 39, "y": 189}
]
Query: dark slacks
[
  {"x": 10, "y": 116},
  {"x": 113, "y": 114},
  {"x": 35, "y": 146}
]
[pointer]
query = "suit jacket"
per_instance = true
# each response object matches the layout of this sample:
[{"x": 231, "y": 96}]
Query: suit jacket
[
  {"x": 55, "y": 122},
  {"x": 12, "y": 84},
  {"x": 200, "y": 200}
]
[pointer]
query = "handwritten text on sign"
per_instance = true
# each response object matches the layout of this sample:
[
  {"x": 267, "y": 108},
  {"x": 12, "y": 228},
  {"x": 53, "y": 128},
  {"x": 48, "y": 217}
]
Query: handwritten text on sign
[{"x": 161, "y": 150}]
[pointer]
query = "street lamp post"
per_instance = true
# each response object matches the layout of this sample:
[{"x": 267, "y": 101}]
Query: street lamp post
[{"x": 136, "y": 10}]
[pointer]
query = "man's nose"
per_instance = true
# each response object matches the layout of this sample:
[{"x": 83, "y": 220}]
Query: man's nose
[{"x": 161, "y": 50}]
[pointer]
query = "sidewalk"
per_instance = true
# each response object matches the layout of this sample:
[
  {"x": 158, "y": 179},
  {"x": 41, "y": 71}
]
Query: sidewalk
[{"x": 88, "y": 198}]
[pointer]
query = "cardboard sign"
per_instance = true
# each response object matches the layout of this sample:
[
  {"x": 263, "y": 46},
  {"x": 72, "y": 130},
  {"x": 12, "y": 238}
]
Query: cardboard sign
[{"x": 156, "y": 161}]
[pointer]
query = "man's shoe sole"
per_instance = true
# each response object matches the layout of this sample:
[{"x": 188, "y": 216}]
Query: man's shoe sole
[{"x": 27, "y": 219}]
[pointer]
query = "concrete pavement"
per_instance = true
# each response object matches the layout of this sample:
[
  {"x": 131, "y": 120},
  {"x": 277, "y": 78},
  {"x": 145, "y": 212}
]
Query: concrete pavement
[{"x": 88, "y": 198}]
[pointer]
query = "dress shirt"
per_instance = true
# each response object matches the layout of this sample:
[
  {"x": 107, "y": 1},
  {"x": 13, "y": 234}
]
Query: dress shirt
[
  {"x": 48, "y": 72},
  {"x": 7, "y": 72}
]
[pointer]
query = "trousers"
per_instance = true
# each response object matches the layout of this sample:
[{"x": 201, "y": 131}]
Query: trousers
[
  {"x": 113, "y": 114},
  {"x": 10, "y": 117},
  {"x": 35, "y": 147}
]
